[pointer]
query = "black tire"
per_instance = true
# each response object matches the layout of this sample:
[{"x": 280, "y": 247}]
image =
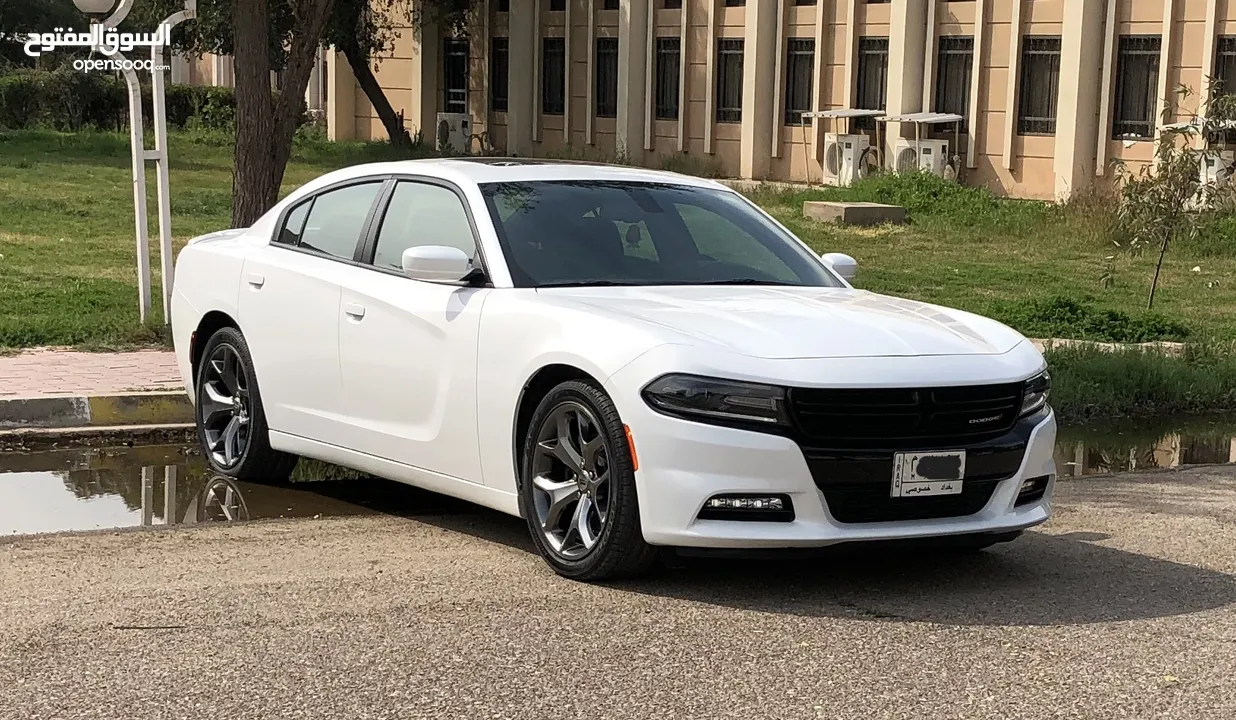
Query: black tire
[
  {"x": 619, "y": 551},
  {"x": 256, "y": 461}
]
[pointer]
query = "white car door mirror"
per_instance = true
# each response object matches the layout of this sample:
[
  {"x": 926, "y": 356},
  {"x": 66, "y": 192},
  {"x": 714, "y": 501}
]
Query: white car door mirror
[
  {"x": 844, "y": 265},
  {"x": 436, "y": 263}
]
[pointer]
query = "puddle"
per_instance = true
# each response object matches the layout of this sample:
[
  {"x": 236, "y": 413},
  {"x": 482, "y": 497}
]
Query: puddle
[
  {"x": 108, "y": 488},
  {"x": 103, "y": 488}
]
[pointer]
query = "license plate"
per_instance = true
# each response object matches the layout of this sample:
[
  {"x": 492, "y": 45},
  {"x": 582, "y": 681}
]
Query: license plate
[{"x": 923, "y": 474}]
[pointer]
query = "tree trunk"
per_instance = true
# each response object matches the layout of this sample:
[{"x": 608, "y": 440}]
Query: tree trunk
[
  {"x": 1154, "y": 284},
  {"x": 377, "y": 97},
  {"x": 254, "y": 188},
  {"x": 266, "y": 124}
]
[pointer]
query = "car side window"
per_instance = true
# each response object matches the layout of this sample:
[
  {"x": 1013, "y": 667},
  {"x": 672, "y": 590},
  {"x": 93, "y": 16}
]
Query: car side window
[
  {"x": 335, "y": 219},
  {"x": 295, "y": 224},
  {"x": 422, "y": 214}
]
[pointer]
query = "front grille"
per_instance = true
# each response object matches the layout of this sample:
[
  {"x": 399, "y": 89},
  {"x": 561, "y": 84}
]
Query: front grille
[
  {"x": 910, "y": 418},
  {"x": 857, "y": 484}
]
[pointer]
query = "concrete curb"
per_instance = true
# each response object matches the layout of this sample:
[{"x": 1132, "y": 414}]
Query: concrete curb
[
  {"x": 110, "y": 410},
  {"x": 37, "y": 439}
]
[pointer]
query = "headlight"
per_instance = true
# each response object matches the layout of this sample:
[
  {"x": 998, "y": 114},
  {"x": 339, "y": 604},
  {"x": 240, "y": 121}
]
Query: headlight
[
  {"x": 715, "y": 399},
  {"x": 1035, "y": 394}
]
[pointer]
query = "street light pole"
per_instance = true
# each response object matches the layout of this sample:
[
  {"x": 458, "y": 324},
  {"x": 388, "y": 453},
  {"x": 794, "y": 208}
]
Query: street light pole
[{"x": 97, "y": 10}]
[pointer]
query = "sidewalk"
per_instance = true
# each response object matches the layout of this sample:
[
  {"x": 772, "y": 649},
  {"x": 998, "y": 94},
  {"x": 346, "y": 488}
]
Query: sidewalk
[{"x": 55, "y": 388}]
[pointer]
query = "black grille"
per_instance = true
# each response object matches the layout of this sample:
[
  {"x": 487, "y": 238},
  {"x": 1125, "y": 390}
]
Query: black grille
[
  {"x": 905, "y": 418},
  {"x": 857, "y": 485}
]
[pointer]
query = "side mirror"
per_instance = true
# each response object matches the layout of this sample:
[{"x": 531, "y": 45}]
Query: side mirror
[
  {"x": 844, "y": 265},
  {"x": 436, "y": 263}
]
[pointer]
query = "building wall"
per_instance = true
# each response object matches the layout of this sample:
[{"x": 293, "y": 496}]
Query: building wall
[{"x": 993, "y": 152}]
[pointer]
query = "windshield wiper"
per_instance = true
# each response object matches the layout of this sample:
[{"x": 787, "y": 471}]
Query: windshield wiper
[
  {"x": 588, "y": 283},
  {"x": 743, "y": 281}
]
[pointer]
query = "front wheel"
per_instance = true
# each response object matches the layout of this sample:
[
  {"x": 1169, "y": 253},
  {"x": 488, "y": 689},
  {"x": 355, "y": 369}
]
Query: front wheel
[
  {"x": 231, "y": 422},
  {"x": 577, "y": 487}
]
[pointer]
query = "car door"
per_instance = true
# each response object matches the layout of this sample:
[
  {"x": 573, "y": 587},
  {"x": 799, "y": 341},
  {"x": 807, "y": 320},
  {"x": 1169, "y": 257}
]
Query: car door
[
  {"x": 289, "y": 308},
  {"x": 408, "y": 347}
]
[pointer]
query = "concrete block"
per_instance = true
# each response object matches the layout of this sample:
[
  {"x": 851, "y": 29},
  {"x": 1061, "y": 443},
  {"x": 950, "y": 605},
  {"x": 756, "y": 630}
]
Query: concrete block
[{"x": 855, "y": 213}]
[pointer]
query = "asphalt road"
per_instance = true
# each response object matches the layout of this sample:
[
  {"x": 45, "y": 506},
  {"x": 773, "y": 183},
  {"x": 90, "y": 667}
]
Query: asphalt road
[{"x": 1121, "y": 607}]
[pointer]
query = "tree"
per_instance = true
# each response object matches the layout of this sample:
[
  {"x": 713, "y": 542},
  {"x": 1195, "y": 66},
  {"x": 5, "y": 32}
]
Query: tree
[
  {"x": 1167, "y": 199},
  {"x": 20, "y": 17},
  {"x": 265, "y": 122}
]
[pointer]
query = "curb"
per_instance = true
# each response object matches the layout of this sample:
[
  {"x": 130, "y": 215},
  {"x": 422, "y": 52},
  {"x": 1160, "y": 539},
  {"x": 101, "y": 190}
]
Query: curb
[
  {"x": 39, "y": 439},
  {"x": 112, "y": 410}
]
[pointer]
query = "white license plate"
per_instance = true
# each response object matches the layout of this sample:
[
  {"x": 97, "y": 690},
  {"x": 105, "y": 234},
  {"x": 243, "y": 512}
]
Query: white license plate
[{"x": 923, "y": 474}]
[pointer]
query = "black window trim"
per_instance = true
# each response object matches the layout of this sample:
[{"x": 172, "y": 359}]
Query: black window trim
[
  {"x": 384, "y": 180},
  {"x": 367, "y": 249}
]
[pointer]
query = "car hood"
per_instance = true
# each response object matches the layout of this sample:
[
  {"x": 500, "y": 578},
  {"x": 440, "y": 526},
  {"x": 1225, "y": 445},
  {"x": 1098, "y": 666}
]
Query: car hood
[{"x": 796, "y": 322}]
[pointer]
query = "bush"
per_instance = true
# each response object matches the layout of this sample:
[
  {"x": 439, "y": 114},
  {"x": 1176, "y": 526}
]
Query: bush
[
  {"x": 69, "y": 100},
  {"x": 19, "y": 99},
  {"x": 1089, "y": 383},
  {"x": 1061, "y": 317}
]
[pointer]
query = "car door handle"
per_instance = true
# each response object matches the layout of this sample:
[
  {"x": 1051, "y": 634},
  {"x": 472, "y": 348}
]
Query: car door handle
[
  {"x": 256, "y": 281},
  {"x": 353, "y": 310}
]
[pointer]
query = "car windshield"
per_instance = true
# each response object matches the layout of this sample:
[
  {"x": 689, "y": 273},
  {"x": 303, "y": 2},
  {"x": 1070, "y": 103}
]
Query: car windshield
[{"x": 596, "y": 232}]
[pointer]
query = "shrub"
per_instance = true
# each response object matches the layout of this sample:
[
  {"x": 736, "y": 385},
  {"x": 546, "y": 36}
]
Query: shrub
[
  {"x": 69, "y": 100},
  {"x": 19, "y": 99},
  {"x": 1062, "y": 317},
  {"x": 696, "y": 165},
  {"x": 1089, "y": 383}
]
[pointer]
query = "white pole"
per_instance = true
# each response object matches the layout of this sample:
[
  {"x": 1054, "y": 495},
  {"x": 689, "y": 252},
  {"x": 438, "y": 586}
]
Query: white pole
[
  {"x": 159, "y": 98},
  {"x": 139, "y": 191}
]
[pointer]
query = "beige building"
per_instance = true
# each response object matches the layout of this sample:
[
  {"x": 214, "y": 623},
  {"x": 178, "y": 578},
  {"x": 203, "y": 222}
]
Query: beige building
[{"x": 1051, "y": 91}]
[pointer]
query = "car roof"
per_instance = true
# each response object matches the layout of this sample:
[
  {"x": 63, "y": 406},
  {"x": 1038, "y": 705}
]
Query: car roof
[{"x": 514, "y": 169}]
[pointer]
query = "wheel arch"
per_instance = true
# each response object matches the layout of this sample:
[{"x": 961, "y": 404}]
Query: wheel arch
[
  {"x": 534, "y": 391},
  {"x": 211, "y": 323}
]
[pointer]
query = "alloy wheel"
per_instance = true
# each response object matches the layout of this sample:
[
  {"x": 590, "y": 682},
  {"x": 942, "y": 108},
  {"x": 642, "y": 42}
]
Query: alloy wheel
[
  {"x": 571, "y": 480},
  {"x": 222, "y": 501},
  {"x": 225, "y": 406}
]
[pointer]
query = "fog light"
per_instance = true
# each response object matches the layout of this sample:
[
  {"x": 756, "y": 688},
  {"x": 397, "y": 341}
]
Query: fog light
[
  {"x": 1032, "y": 490},
  {"x": 747, "y": 503},
  {"x": 752, "y": 508}
]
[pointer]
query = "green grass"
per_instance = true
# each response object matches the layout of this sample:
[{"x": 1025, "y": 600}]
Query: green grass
[
  {"x": 1021, "y": 261},
  {"x": 67, "y": 255}
]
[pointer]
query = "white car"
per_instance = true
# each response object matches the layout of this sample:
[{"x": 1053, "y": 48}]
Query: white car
[{"x": 630, "y": 360}]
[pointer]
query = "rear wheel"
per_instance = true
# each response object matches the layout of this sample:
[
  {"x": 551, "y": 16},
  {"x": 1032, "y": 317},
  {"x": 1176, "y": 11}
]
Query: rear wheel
[
  {"x": 231, "y": 422},
  {"x": 577, "y": 488}
]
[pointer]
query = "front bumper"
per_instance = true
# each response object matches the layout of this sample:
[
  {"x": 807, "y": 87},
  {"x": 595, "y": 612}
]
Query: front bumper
[{"x": 683, "y": 463}]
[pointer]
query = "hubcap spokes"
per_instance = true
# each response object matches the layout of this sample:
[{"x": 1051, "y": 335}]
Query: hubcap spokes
[
  {"x": 570, "y": 480},
  {"x": 225, "y": 406}
]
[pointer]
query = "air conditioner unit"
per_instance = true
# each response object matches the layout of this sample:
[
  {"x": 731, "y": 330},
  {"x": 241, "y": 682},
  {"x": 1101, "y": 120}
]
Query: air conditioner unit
[
  {"x": 454, "y": 130},
  {"x": 844, "y": 160},
  {"x": 1217, "y": 167},
  {"x": 930, "y": 156}
]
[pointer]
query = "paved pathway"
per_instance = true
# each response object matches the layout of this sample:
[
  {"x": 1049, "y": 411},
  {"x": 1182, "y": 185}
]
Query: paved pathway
[{"x": 49, "y": 372}]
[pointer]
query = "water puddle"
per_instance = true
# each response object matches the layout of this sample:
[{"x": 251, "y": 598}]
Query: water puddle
[
  {"x": 164, "y": 485},
  {"x": 108, "y": 488}
]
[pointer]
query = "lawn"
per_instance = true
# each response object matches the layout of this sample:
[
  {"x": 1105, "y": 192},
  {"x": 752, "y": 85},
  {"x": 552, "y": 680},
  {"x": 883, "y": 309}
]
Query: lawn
[{"x": 67, "y": 272}]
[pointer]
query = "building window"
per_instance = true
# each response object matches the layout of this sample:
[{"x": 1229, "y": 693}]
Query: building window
[
  {"x": 735, "y": 3},
  {"x": 557, "y": 5},
  {"x": 553, "y": 75},
  {"x": 672, "y": 4},
  {"x": 1137, "y": 85},
  {"x": 799, "y": 63},
  {"x": 729, "y": 80},
  {"x": 499, "y": 73},
  {"x": 872, "y": 78},
  {"x": 954, "y": 61},
  {"x": 607, "y": 77},
  {"x": 502, "y": 6},
  {"x": 609, "y": 4},
  {"x": 1225, "y": 65},
  {"x": 667, "y": 68},
  {"x": 1039, "y": 87},
  {"x": 455, "y": 75},
  {"x": 804, "y": 2}
]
